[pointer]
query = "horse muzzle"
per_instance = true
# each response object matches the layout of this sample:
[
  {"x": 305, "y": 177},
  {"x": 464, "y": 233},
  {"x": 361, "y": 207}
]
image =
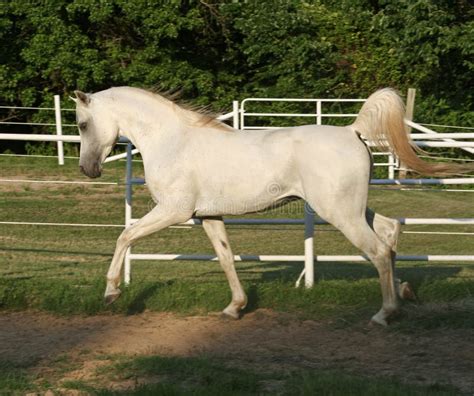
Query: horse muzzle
[{"x": 93, "y": 171}]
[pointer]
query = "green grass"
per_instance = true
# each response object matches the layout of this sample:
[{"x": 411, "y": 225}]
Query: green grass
[
  {"x": 62, "y": 269},
  {"x": 346, "y": 301},
  {"x": 15, "y": 379},
  {"x": 311, "y": 383},
  {"x": 205, "y": 376},
  {"x": 158, "y": 375}
]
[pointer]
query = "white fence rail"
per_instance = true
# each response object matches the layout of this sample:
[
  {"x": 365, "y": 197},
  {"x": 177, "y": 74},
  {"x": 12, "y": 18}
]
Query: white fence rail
[
  {"x": 58, "y": 124},
  {"x": 239, "y": 117}
]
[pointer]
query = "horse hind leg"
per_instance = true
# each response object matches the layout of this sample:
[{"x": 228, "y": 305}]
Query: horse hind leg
[
  {"x": 388, "y": 230},
  {"x": 352, "y": 222},
  {"x": 217, "y": 234},
  {"x": 364, "y": 238}
]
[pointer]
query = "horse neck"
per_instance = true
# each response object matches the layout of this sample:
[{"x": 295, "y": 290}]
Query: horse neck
[{"x": 147, "y": 123}]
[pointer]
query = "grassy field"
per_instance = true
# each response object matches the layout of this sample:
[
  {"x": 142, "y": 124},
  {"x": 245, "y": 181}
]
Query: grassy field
[
  {"x": 62, "y": 270},
  {"x": 41, "y": 260},
  {"x": 199, "y": 376}
]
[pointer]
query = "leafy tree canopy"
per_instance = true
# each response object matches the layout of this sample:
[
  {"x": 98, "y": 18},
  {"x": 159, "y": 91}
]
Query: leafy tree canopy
[{"x": 216, "y": 52}]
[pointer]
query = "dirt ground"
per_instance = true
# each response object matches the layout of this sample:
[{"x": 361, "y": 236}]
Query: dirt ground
[{"x": 262, "y": 340}]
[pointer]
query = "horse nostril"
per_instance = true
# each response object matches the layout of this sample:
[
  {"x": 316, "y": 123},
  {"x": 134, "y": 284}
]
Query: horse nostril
[{"x": 81, "y": 168}]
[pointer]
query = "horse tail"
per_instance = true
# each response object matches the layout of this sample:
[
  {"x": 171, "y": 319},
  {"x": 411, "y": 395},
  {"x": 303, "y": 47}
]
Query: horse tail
[{"x": 381, "y": 121}]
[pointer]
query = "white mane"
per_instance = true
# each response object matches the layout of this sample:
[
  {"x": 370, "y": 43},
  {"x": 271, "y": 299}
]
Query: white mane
[{"x": 189, "y": 115}]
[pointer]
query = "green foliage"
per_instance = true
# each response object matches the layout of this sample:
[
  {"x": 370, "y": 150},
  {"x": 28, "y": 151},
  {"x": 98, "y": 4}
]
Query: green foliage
[
  {"x": 214, "y": 52},
  {"x": 42, "y": 148}
]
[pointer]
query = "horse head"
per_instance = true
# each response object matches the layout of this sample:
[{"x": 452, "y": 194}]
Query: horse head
[{"x": 99, "y": 132}]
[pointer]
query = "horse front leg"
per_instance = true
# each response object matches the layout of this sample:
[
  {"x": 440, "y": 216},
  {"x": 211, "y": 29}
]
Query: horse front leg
[
  {"x": 217, "y": 234},
  {"x": 157, "y": 219}
]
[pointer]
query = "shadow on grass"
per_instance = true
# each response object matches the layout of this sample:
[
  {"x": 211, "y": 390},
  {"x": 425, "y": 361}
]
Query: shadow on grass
[
  {"x": 347, "y": 271},
  {"x": 348, "y": 291},
  {"x": 14, "y": 378},
  {"x": 208, "y": 376},
  {"x": 55, "y": 251},
  {"x": 139, "y": 302},
  {"x": 253, "y": 299},
  {"x": 441, "y": 315}
]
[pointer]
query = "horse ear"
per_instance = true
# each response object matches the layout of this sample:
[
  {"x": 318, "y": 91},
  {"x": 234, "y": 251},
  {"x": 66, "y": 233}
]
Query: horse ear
[
  {"x": 84, "y": 98},
  {"x": 73, "y": 99}
]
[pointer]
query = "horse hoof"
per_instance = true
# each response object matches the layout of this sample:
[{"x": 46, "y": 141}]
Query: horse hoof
[
  {"x": 230, "y": 314},
  {"x": 378, "y": 320},
  {"x": 109, "y": 299}
]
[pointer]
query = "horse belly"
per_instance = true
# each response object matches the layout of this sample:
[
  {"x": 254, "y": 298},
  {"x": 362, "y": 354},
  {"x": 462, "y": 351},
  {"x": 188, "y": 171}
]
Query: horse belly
[
  {"x": 246, "y": 186},
  {"x": 221, "y": 206}
]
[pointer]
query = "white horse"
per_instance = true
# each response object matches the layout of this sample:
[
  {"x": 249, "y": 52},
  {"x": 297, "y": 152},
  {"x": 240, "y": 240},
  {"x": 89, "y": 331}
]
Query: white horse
[{"x": 198, "y": 166}]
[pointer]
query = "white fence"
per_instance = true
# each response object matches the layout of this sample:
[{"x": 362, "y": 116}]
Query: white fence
[
  {"x": 58, "y": 124},
  {"x": 239, "y": 117}
]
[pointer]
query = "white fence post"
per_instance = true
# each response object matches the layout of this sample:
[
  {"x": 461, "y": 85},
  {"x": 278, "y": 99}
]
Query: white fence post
[
  {"x": 235, "y": 117},
  {"x": 391, "y": 166},
  {"x": 308, "y": 246},
  {"x": 309, "y": 226},
  {"x": 319, "y": 118},
  {"x": 128, "y": 211},
  {"x": 59, "y": 128},
  {"x": 242, "y": 115},
  {"x": 409, "y": 109}
]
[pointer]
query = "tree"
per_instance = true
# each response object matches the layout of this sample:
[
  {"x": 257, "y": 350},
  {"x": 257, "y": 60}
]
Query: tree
[{"x": 214, "y": 52}]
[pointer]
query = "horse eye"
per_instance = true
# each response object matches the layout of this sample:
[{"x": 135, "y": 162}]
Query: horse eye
[{"x": 82, "y": 126}]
